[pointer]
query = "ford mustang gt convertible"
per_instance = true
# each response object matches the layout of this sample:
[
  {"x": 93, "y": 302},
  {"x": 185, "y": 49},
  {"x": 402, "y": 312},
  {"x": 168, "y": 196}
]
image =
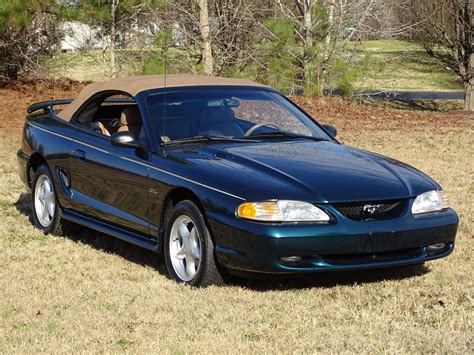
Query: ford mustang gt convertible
[{"x": 225, "y": 176}]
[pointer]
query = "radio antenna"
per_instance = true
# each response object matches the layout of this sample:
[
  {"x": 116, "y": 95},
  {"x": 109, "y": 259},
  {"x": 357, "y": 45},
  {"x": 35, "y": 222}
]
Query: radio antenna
[
  {"x": 165, "y": 67},
  {"x": 165, "y": 58}
]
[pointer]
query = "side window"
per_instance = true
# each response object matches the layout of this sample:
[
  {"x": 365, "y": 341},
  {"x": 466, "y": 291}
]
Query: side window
[
  {"x": 108, "y": 114},
  {"x": 176, "y": 115}
]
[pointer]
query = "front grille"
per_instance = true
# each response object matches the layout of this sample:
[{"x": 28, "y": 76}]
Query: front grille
[{"x": 363, "y": 211}]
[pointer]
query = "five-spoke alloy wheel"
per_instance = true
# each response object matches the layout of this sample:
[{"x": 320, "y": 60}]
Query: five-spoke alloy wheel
[
  {"x": 188, "y": 247},
  {"x": 45, "y": 202},
  {"x": 46, "y": 210},
  {"x": 185, "y": 248}
]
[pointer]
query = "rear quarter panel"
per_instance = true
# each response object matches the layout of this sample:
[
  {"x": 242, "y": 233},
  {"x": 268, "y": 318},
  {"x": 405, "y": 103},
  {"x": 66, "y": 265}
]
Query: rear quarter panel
[{"x": 48, "y": 136}]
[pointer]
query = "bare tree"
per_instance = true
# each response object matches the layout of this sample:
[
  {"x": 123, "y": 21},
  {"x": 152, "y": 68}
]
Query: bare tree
[
  {"x": 376, "y": 19},
  {"x": 305, "y": 8},
  {"x": 204, "y": 28},
  {"x": 225, "y": 31},
  {"x": 447, "y": 34},
  {"x": 113, "y": 30}
]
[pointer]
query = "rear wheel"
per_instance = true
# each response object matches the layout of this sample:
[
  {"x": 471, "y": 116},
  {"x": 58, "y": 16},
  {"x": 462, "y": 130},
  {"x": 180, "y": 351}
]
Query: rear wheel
[
  {"x": 188, "y": 247},
  {"x": 46, "y": 209}
]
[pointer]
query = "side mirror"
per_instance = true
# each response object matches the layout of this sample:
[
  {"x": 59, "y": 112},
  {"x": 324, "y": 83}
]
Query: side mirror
[
  {"x": 330, "y": 129},
  {"x": 125, "y": 139}
]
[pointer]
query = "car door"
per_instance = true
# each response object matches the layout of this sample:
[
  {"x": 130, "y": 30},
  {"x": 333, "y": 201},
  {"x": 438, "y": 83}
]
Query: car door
[{"x": 109, "y": 183}]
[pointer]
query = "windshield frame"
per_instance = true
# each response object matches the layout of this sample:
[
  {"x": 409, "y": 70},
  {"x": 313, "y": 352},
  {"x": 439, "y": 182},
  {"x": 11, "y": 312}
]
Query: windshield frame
[{"x": 143, "y": 99}]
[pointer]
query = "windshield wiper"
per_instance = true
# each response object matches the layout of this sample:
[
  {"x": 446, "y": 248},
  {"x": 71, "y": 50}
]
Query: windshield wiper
[
  {"x": 285, "y": 134},
  {"x": 205, "y": 139}
]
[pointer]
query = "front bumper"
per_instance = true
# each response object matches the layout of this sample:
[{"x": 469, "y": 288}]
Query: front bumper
[{"x": 343, "y": 245}]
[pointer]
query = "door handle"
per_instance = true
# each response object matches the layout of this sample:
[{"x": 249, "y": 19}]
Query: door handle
[{"x": 79, "y": 154}]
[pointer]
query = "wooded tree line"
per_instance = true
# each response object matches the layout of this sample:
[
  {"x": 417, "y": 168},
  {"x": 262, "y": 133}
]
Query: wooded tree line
[{"x": 295, "y": 45}]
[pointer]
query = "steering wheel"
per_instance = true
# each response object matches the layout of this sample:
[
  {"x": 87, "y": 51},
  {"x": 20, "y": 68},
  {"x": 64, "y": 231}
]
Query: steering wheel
[{"x": 257, "y": 126}]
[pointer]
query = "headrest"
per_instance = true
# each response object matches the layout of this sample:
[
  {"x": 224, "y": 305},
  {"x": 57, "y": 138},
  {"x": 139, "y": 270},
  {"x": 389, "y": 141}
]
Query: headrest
[
  {"x": 217, "y": 115},
  {"x": 130, "y": 116}
]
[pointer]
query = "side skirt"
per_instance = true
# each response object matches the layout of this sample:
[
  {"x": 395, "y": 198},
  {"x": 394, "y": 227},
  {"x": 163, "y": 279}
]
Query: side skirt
[{"x": 114, "y": 231}]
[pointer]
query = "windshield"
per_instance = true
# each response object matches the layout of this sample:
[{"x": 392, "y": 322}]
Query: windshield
[{"x": 229, "y": 114}]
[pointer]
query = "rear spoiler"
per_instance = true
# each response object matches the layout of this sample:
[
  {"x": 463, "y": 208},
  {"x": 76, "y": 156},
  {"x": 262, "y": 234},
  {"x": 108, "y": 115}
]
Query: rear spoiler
[{"x": 47, "y": 106}]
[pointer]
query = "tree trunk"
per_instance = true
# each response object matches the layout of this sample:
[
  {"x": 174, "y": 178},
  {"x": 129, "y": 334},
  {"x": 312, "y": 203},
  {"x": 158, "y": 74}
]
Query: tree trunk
[
  {"x": 206, "y": 50},
  {"x": 469, "y": 87},
  {"x": 469, "y": 96},
  {"x": 331, "y": 22},
  {"x": 308, "y": 45},
  {"x": 114, "y": 5}
]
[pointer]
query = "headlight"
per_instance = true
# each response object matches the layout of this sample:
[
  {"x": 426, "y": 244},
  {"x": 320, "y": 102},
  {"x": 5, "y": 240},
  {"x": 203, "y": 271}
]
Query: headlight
[
  {"x": 281, "y": 211},
  {"x": 430, "y": 201}
]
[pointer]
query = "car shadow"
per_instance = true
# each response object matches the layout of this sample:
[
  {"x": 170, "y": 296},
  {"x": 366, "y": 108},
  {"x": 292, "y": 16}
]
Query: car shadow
[
  {"x": 111, "y": 245},
  {"x": 331, "y": 279},
  {"x": 100, "y": 241},
  {"x": 23, "y": 205}
]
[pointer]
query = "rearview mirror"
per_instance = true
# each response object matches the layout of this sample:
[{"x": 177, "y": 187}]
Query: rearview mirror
[
  {"x": 125, "y": 139},
  {"x": 223, "y": 103},
  {"x": 330, "y": 129}
]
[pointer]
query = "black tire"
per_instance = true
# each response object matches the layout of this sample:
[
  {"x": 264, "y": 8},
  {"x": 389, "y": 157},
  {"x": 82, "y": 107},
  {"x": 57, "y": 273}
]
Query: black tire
[
  {"x": 57, "y": 224},
  {"x": 207, "y": 272}
]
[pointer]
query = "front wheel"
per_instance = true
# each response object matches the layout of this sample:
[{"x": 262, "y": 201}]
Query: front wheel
[{"x": 189, "y": 249}]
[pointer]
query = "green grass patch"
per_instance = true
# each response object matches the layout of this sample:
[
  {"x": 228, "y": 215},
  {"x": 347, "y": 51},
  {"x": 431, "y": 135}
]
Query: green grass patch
[
  {"x": 9, "y": 312},
  {"x": 124, "y": 344},
  {"x": 52, "y": 328},
  {"x": 388, "y": 46},
  {"x": 399, "y": 65}
]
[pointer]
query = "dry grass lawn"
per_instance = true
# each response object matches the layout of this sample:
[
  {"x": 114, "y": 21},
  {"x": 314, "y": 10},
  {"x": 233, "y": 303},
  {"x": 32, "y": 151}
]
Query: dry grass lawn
[{"x": 90, "y": 292}]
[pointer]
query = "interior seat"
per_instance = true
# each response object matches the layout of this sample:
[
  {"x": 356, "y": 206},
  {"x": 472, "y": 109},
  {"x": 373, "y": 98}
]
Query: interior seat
[
  {"x": 131, "y": 121},
  {"x": 219, "y": 121}
]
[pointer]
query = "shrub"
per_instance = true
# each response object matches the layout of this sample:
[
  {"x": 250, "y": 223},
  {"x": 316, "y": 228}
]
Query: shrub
[{"x": 27, "y": 30}]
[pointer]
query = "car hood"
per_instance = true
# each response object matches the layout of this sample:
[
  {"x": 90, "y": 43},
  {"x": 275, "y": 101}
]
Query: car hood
[{"x": 302, "y": 170}]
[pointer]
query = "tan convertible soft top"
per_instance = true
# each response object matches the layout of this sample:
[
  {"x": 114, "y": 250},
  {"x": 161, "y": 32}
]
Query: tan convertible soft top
[{"x": 135, "y": 84}]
